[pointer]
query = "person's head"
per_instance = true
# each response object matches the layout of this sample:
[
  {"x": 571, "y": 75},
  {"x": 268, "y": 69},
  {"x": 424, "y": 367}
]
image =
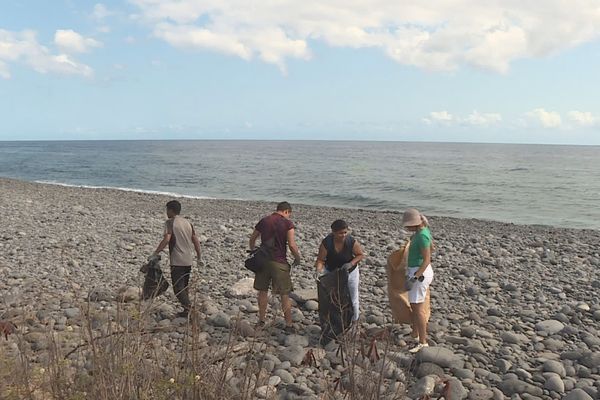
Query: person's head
[
  {"x": 339, "y": 228},
  {"x": 413, "y": 220},
  {"x": 284, "y": 208},
  {"x": 173, "y": 208}
]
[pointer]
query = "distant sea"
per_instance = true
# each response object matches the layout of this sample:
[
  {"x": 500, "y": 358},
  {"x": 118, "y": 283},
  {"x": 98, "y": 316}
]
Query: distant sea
[{"x": 524, "y": 184}]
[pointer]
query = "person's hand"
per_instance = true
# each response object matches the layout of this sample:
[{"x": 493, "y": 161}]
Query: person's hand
[
  {"x": 199, "y": 262},
  {"x": 318, "y": 274},
  {"x": 347, "y": 266},
  {"x": 296, "y": 261}
]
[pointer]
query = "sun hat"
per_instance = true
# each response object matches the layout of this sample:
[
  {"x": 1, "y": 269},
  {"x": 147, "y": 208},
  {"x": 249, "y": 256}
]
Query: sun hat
[{"x": 411, "y": 217}]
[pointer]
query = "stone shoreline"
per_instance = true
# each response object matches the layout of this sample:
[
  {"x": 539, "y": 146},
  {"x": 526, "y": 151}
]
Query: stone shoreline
[{"x": 515, "y": 308}]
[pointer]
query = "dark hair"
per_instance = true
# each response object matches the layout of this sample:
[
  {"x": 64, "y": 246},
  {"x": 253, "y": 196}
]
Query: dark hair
[
  {"x": 284, "y": 206},
  {"x": 174, "y": 206},
  {"x": 338, "y": 225}
]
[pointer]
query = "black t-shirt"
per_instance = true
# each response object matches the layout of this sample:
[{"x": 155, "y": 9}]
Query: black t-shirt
[{"x": 335, "y": 260}]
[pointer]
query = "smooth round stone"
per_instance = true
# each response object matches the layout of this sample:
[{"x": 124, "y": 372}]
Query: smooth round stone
[
  {"x": 556, "y": 367},
  {"x": 481, "y": 394},
  {"x": 553, "y": 345},
  {"x": 463, "y": 373},
  {"x": 503, "y": 365},
  {"x": 597, "y": 315},
  {"x": 285, "y": 376},
  {"x": 266, "y": 391},
  {"x": 428, "y": 368},
  {"x": 468, "y": 331},
  {"x": 550, "y": 326},
  {"x": 577, "y": 394},
  {"x": 441, "y": 356},
  {"x": 583, "y": 371},
  {"x": 311, "y": 305},
  {"x": 554, "y": 383},
  {"x": 423, "y": 387},
  {"x": 274, "y": 380},
  {"x": 296, "y": 340},
  {"x": 514, "y": 386},
  {"x": 583, "y": 307},
  {"x": 455, "y": 390},
  {"x": 513, "y": 338}
]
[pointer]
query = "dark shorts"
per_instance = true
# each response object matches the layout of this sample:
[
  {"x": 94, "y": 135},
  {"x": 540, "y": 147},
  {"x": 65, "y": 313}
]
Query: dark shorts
[{"x": 275, "y": 274}]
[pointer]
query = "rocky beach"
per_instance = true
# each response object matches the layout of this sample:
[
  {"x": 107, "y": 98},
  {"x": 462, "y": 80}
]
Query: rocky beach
[{"x": 515, "y": 308}]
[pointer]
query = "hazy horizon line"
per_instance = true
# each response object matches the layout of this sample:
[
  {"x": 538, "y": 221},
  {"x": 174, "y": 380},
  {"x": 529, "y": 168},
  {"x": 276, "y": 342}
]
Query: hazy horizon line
[{"x": 295, "y": 140}]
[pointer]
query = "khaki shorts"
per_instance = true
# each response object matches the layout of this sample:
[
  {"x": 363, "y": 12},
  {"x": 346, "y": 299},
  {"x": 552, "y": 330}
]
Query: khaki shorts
[{"x": 276, "y": 273}]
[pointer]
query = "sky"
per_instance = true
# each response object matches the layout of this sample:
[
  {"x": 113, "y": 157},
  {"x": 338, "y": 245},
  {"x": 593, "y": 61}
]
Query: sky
[{"x": 444, "y": 70}]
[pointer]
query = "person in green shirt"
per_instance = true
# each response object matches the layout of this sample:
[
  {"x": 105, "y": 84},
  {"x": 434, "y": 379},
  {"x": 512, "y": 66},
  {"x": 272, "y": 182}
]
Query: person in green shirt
[{"x": 419, "y": 271}]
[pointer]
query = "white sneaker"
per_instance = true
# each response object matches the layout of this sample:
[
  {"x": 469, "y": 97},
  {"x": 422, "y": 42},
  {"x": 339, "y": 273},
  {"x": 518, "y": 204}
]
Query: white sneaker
[{"x": 418, "y": 347}]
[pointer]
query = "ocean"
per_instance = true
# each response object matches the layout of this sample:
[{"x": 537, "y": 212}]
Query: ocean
[{"x": 523, "y": 184}]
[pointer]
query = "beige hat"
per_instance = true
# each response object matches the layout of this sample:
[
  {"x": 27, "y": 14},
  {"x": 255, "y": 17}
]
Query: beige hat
[{"x": 411, "y": 217}]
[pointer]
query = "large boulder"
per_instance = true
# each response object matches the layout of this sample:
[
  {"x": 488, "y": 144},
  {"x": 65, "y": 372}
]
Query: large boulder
[
  {"x": 441, "y": 356},
  {"x": 243, "y": 288}
]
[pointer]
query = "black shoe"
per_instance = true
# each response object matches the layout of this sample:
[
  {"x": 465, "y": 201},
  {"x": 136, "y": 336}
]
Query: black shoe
[{"x": 183, "y": 314}]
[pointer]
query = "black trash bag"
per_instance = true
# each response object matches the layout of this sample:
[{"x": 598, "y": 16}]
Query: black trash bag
[
  {"x": 154, "y": 283},
  {"x": 335, "y": 305}
]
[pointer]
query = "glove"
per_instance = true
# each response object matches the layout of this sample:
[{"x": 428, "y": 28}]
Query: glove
[
  {"x": 347, "y": 266},
  {"x": 296, "y": 262},
  {"x": 319, "y": 274}
]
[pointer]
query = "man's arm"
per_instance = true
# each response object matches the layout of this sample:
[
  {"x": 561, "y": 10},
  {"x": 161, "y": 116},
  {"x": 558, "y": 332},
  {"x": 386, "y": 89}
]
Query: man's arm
[
  {"x": 255, "y": 235},
  {"x": 320, "y": 263},
  {"x": 358, "y": 253},
  {"x": 163, "y": 243},
  {"x": 291, "y": 239},
  {"x": 196, "y": 245}
]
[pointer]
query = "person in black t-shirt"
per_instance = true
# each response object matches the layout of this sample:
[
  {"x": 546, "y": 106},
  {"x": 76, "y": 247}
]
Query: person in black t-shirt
[{"x": 340, "y": 250}]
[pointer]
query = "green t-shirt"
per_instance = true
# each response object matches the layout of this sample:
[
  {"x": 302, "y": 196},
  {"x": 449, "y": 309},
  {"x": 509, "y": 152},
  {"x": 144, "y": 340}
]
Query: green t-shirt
[{"x": 420, "y": 240}]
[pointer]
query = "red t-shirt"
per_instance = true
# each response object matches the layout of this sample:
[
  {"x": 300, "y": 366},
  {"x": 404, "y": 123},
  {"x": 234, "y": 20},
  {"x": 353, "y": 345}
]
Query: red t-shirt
[{"x": 273, "y": 231}]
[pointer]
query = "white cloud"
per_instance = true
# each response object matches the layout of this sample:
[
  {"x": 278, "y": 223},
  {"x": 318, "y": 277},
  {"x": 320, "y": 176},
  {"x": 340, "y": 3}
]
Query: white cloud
[
  {"x": 583, "y": 118},
  {"x": 70, "y": 41},
  {"x": 548, "y": 119},
  {"x": 475, "y": 118},
  {"x": 482, "y": 119},
  {"x": 100, "y": 11},
  {"x": 438, "y": 35},
  {"x": 23, "y": 48},
  {"x": 443, "y": 117}
]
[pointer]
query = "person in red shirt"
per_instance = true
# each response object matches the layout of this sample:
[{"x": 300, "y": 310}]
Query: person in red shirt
[{"x": 276, "y": 232}]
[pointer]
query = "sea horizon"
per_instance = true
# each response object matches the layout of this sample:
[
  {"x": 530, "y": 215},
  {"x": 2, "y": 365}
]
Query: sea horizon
[{"x": 298, "y": 140}]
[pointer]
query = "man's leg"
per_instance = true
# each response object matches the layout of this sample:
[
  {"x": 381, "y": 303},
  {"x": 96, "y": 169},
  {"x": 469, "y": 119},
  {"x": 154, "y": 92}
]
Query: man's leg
[
  {"x": 282, "y": 285},
  {"x": 262, "y": 281},
  {"x": 286, "y": 306},
  {"x": 180, "y": 276},
  {"x": 263, "y": 300}
]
